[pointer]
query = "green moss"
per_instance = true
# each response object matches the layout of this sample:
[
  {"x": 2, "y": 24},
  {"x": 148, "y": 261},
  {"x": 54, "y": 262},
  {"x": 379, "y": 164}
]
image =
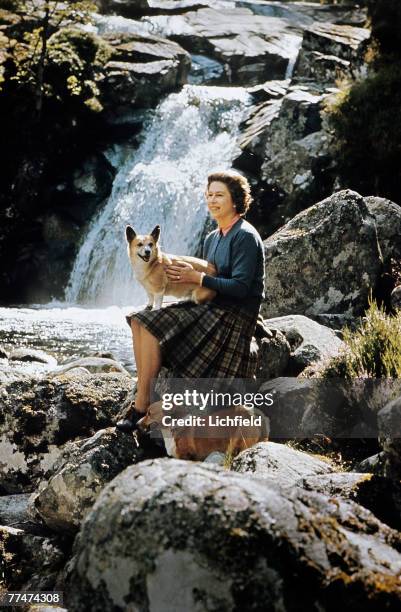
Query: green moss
[{"x": 91, "y": 49}]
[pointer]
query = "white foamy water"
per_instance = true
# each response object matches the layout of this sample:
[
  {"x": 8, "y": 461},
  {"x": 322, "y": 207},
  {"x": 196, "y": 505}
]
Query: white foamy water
[{"x": 190, "y": 134}]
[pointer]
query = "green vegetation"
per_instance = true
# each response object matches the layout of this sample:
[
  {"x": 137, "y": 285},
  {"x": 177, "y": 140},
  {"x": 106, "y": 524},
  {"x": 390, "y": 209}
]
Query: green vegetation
[
  {"x": 47, "y": 57},
  {"x": 373, "y": 351},
  {"x": 50, "y": 101},
  {"x": 367, "y": 115}
]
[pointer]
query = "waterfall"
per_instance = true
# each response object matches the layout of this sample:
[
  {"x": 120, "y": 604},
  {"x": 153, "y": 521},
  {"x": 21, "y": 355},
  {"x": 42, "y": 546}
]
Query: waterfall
[{"x": 162, "y": 182}]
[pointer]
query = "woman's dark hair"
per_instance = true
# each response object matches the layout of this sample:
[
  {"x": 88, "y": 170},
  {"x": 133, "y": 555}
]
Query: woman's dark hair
[{"x": 238, "y": 187}]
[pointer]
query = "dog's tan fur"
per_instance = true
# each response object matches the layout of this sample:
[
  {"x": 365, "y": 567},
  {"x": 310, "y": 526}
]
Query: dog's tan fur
[
  {"x": 196, "y": 443},
  {"x": 148, "y": 261}
]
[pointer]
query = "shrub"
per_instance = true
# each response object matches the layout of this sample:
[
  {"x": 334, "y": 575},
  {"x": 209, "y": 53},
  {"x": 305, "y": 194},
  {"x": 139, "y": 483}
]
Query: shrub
[
  {"x": 367, "y": 116},
  {"x": 367, "y": 122},
  {"x": 373, "y": 351},
  {"x": 75, "y": 60}
]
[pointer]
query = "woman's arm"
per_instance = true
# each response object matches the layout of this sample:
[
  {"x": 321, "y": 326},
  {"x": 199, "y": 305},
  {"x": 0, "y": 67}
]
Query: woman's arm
[{"x": 244, "y": 259}]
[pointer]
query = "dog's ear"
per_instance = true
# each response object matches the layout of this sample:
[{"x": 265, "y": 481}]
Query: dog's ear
[
  {"x": 130, "y": 233},
  {"x": 155, "y": 233}
]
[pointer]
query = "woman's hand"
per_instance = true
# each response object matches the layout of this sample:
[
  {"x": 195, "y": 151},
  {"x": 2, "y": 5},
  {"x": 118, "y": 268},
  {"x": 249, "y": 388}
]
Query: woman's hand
[{"x": 182, "y": 272}]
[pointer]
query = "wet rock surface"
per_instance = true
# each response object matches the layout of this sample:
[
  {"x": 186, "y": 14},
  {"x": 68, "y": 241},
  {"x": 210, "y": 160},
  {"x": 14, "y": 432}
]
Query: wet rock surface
[
  {"x": 252, "y": 48},
  {"x": 150, "y": 540},
  {"x": 141, "y": 69},
  {"x": 287, "y": 148}
]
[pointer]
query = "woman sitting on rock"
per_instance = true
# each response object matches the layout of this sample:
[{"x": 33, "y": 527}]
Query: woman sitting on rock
[{"x": 209, "y": 340}]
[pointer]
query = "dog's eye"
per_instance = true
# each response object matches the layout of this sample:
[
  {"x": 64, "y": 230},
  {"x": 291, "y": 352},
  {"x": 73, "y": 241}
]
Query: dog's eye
[
  {"x": 150, "y": 244},
  {"x": 139, "y": 244}
]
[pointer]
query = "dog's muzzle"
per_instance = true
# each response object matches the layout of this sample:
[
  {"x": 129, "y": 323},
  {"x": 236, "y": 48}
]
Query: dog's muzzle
[{"x": 145, "y": 257}]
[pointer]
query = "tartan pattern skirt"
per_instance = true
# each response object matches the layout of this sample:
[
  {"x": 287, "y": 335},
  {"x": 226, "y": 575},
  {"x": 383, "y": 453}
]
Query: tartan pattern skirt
[{"x": 203, "y": 340}]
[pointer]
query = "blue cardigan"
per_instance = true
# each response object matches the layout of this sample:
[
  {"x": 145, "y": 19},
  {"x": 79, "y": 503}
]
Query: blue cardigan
[{"x": 239, "y": 259}]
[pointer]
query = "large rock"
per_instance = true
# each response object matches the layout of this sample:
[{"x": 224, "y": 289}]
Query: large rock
[
  {"x": 310, "y": 342},
  {"x": 286, "y": 465},
  {"x": 255, "y": 132},
  {"x": 38, "y": 416},
  {"x": 142, "y": 68},
  {"x": 325, "y": 260},
  {"x": 318, "y": 474},
  {"x": 286, "y": 143},
  {"x": 330, "y": 52},
  {"x": 150, "y": 543},
  {"x": 252, "y": 48},
  {"x": 79, "y": 475}
]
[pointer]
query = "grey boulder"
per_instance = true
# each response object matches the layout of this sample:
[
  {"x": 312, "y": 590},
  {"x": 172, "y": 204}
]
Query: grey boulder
[
  {"x": 78, "y": 476},
  {"x": 310, "y": 342},
  {"x": 39, "y": 416},
  {"x": 141, "y": 69},
  {"x": 151, "y": 538},
  {"x": 252, "y": 48},
  {"x": 325, "y": 260},
  {"x": 331, "y": 51}
]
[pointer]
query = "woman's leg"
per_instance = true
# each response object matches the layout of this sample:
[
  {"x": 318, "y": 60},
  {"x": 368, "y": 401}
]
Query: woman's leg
[{"x": 148, "y": 362}]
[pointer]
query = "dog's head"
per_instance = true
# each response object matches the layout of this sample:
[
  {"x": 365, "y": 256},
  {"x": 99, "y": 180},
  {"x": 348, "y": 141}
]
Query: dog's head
[{"x": 142, "y": 247}]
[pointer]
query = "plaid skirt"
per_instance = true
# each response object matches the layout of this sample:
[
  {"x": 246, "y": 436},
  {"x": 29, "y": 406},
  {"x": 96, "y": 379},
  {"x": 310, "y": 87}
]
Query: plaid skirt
[{"x": 203, "y": 340}]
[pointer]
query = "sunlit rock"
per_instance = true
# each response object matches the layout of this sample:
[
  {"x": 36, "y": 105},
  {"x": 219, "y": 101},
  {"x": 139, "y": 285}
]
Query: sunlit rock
[
  {"x": 39, "y": 416},
  {"x": 286, "y": 465},
  {"x": 152, "y": 535},
  {"x": 79, "y": 475},
  {"x": 309, "y": 341},
  {"x": 325, "y": 260}
]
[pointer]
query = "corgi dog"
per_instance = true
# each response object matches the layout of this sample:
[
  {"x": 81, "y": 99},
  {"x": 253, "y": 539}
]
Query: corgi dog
[
  {"x": 148, "y": 261},
  {"x": 197, "y": 441}
]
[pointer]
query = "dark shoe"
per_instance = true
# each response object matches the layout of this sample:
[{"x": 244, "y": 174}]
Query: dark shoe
[{"x": 129, "y": 424}]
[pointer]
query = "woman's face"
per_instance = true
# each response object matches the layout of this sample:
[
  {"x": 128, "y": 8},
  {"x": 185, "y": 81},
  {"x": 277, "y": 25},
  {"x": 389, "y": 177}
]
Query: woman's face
[{"x": 219, "y": 201}]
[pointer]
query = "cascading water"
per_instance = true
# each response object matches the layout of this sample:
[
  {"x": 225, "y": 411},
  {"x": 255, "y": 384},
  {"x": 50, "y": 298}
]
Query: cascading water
[{"x": 162, "y": 182}]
